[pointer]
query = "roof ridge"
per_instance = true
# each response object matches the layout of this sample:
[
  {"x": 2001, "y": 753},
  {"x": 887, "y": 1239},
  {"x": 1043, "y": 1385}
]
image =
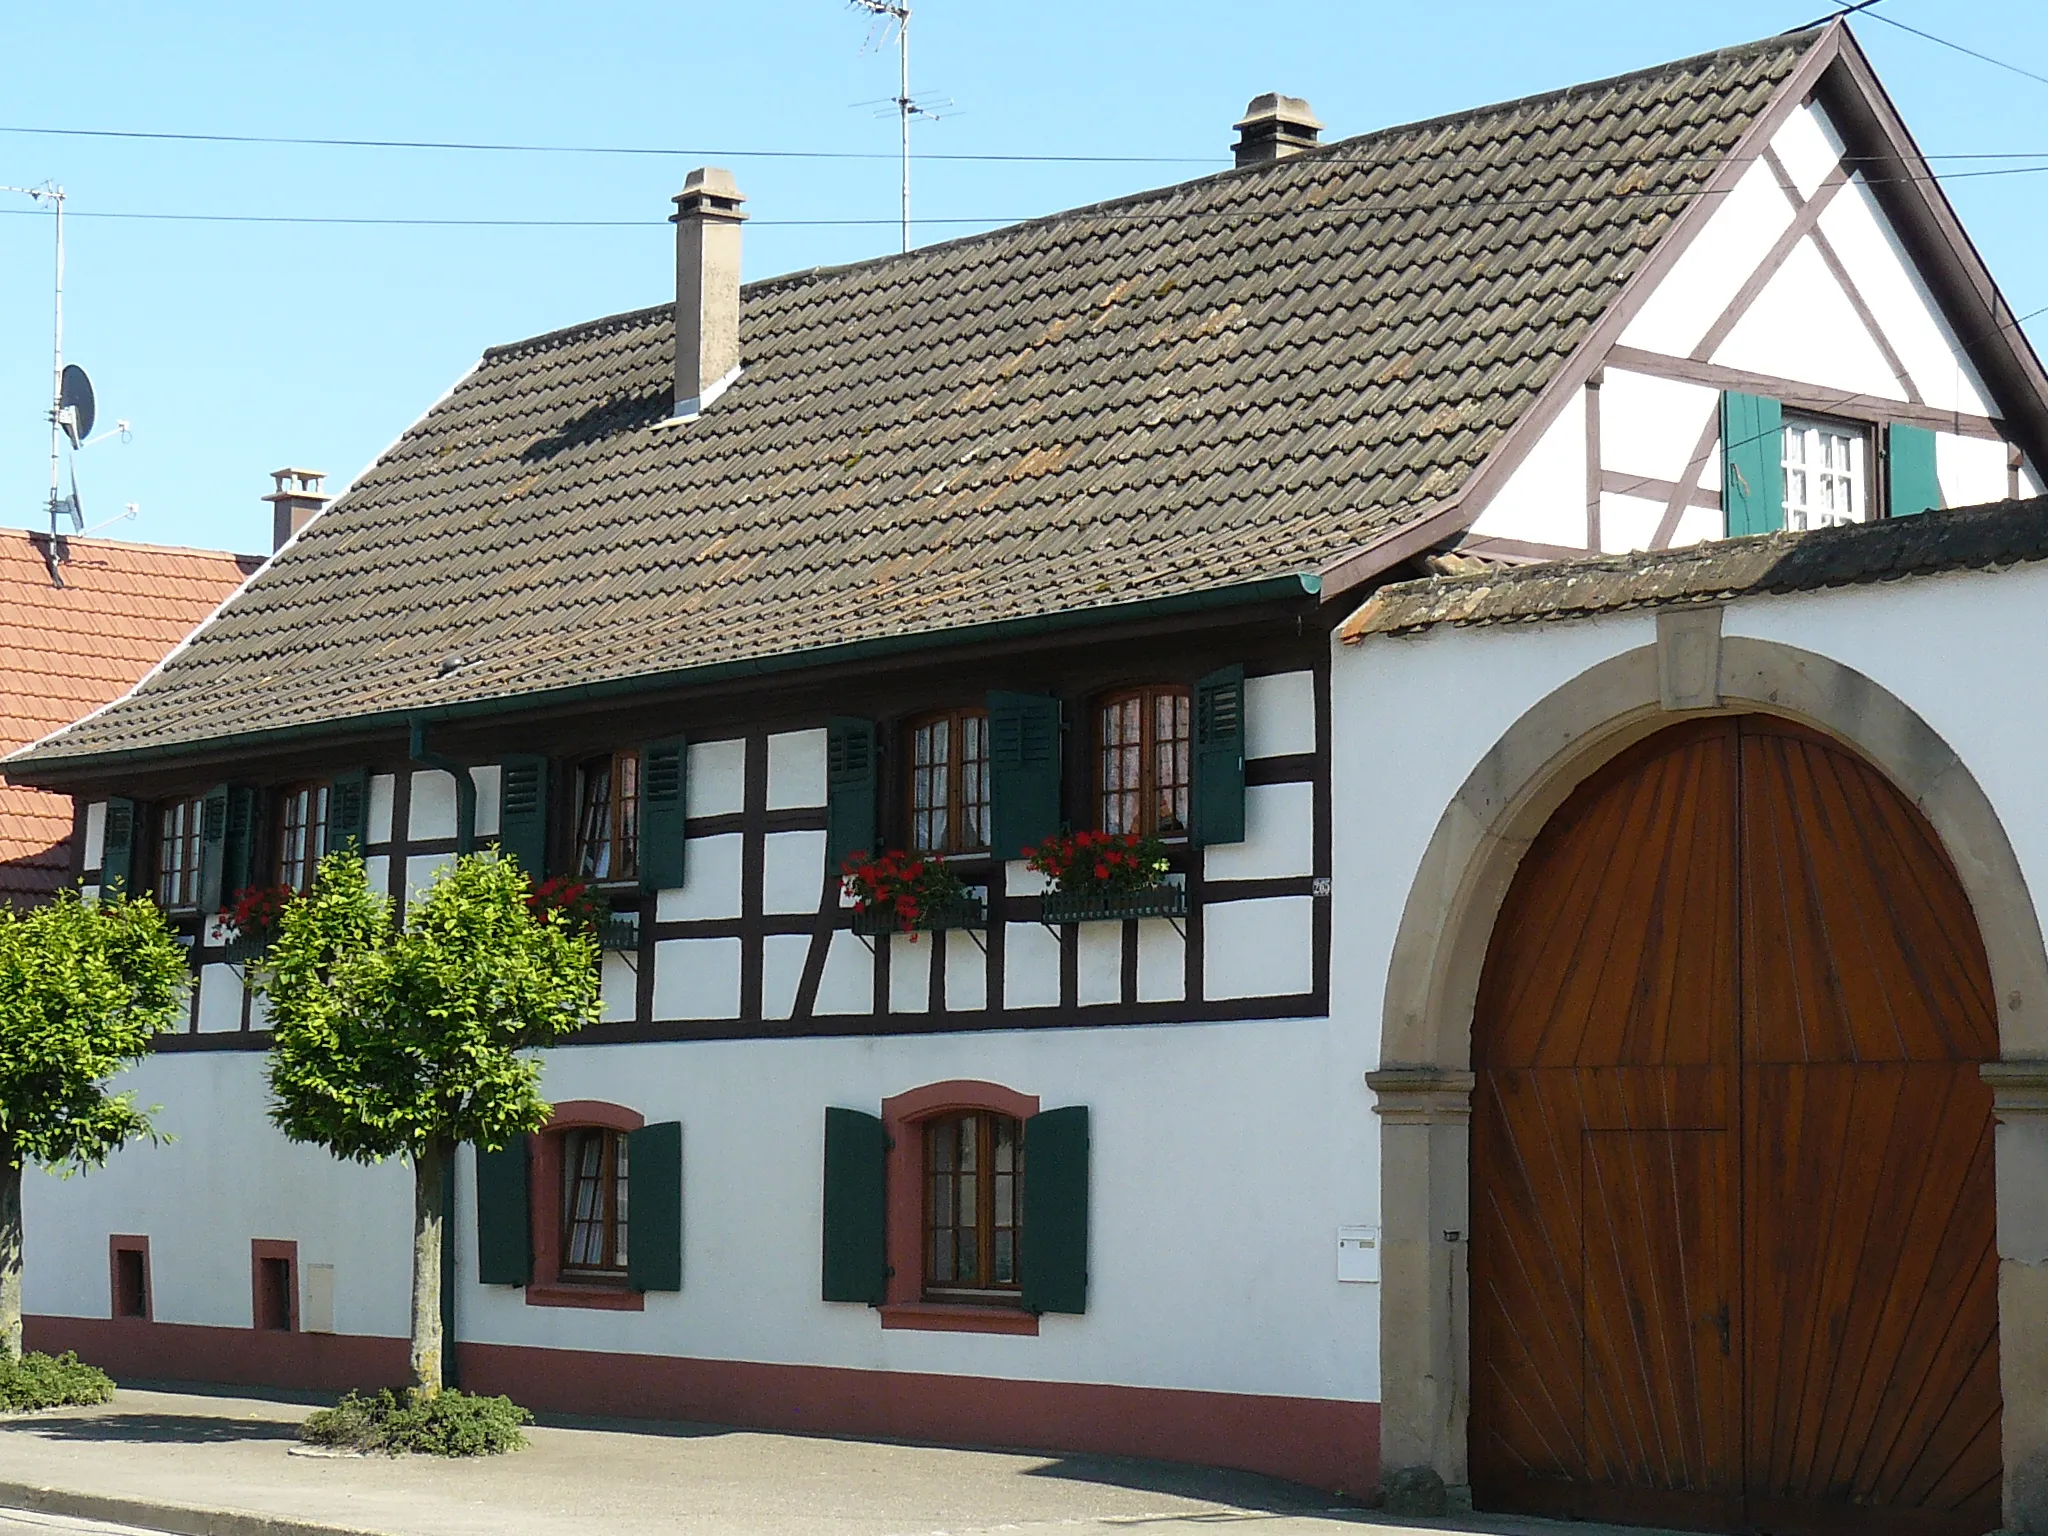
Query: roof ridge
[
  {"x": 32, "y": 535},
  {"x": 1801, "y": 39}
]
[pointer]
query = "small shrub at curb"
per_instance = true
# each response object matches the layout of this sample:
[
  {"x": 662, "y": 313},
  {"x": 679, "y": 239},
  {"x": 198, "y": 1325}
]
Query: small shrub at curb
[
  {"x": 46, "y": 1381},
  {"x": 447, "y": 1424}
]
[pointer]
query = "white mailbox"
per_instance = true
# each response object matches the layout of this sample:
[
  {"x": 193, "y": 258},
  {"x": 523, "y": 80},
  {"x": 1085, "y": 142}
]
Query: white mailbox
[{"x": 1358, "y": 1255}]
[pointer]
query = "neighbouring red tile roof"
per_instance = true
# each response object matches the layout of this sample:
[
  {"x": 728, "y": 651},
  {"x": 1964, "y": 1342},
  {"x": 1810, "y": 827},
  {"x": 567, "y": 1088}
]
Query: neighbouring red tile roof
[{"x": 65, "y": 651}]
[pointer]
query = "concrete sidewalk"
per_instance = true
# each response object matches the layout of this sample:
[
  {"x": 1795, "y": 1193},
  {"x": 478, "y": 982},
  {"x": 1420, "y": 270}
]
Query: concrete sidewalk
[{"x": 207, "y": 1465}]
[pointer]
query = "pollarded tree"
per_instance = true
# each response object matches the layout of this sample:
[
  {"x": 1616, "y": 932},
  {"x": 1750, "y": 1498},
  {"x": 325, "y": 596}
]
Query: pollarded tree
[
  {"x": 83, "y": 987},
  {"x": 406, "y": 1042}
]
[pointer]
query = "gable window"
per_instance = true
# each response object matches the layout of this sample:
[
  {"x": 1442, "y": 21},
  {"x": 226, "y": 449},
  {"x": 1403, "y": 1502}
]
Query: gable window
[
  {"x": 949, "y": 783},
  {"x": 177, "y": 854},
  {"x": 302, "y": 834},
  {"x": 1826, "y": 475},
  {"x": 1144, "y": 761},
  {"x": 594, "y": 1204},
  {"x": 974, "y": 1184},
  {"x": 608, "y": 817}
]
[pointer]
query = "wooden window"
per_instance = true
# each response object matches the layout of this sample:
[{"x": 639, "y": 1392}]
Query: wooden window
[
  {"x": 177, "y": 854},
  {"x": 608, "y": 817},
  {"x": 1826, "y": 473},
  {"x": 949, "y": 783},
  {"x": 1143, "y": 761},
  {"x": 974, "y": 1186},
  {"x": 301, "y": 834},
  {"x": 594, "y": 1203}
]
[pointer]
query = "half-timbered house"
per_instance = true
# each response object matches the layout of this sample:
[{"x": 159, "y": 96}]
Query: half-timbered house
[{"x": 1337, "y": 519}]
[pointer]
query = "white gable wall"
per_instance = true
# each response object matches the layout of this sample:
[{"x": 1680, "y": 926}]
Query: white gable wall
[{"x": 1803, "y": 325}]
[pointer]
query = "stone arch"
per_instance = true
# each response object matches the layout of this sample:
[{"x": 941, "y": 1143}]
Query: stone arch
[{"x": 1424, "y": 1082}]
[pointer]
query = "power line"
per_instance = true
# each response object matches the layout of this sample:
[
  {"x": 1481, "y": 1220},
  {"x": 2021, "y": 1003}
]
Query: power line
[
  {"x": 1110, "y": 214},
  {"x": 1958, "y": 47}
]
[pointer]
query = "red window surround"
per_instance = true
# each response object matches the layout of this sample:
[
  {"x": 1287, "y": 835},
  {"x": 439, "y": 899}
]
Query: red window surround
[
  {"x": 548, "y": 1288},
  {"x": 903, "y": 1119},
  {"x": 128, "y": 1276},
  {"x": 274, "y": 1284}
]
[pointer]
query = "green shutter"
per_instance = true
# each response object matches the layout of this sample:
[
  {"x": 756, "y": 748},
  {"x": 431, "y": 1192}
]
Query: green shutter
[
  {"x": 850, "y": 779},
  {"x": 664, "y": 800},
  {"x": 856, "y": 1255},
  {"x": 348, "y": 811},
  {"x": 1218, "y": 808},
  {"x": 227, "y": 845},
  {"x": 1024, "y": 771},
  {"x": 1055, "y": 1239},
  {"x": 117, "y": 846},
  {"x": 654, "y": 1212},
  {"x": 1914, "y": 485},
  {"x": 523, "y": 814},
  {"x": 504, "y": 1216},
  {"x": 1752, "y": 463}
]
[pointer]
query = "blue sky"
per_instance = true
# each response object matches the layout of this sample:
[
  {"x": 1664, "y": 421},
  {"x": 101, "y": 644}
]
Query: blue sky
[{"x": 236, "y": 348}]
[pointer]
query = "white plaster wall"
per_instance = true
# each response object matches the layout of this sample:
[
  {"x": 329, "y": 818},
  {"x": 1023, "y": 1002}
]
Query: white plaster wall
[
  {"x": 1544, "y": 500},
  {"x": 432, "y": 812},
  {"x": 796, "y": 770},
  {"x": 1802, "y": 327},
  {"x": 1713, "y": 268},
  {"x": 1650, "y": 426},
  {"x": 1971, "y": 469},
  {"x": 383, "y": 790},
  {"x": 711, "y": 881},
  {"x": 717, "y": 778},
  {"x": 95, "y": 834},
  {"x": 1280, "y": 714},
  {"x": 227, "y": 1177}
]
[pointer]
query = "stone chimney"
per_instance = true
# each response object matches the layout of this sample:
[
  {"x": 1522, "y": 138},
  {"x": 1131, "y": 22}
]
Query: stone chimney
[
  {"x": 1274, "y": 127},
  {"x": 295, "y": 503},
  {"x": 707, "y": 221}
]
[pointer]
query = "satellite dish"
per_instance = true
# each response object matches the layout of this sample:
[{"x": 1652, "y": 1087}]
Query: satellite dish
[{"x": 74, "y": 404}]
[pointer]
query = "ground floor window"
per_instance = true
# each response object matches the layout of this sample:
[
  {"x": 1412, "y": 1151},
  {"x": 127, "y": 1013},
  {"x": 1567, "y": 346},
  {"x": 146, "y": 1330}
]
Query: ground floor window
[
  {"x": 594, "y": 1170},
  {"x": 974, "y": 1178}
]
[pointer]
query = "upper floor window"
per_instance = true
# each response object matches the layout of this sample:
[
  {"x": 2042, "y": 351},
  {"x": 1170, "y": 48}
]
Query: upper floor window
[
  {"x": 1144, "y": 761},
  {"x": 1826, "y": 475},
  {"x": 594, "y": 1203},
  {"x": 974, "y": 1187},
  {"x": 949, "y": 783},
  {"x": 608, "y": 817},
  {"x": 301, "y": 835},
  {"x": 177, "y": 854}
]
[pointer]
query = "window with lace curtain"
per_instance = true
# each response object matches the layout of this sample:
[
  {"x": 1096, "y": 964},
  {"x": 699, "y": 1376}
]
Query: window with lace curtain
[
  {"x": 949, "y": 782},
  {"x": 594, "y": 1204},
  {"x": 1144, "y": 763},
  {"x": 608, "y": 817},
  {"x": 301, "y": 834}
]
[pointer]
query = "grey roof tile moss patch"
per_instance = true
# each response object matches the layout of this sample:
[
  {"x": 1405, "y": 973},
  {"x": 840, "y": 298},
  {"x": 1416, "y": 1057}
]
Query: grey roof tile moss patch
[
  {"x": 2001, "y": 534},
  {"x": 1206, "y": 386}
]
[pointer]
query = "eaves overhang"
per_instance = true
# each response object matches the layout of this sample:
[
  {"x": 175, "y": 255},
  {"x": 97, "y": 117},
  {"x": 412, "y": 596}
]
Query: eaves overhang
[{"x": 61, "y": 770}]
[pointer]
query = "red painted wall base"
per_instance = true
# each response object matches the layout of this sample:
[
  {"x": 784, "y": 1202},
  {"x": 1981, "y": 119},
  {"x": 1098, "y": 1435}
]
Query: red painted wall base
[{"x": 1316, "y": 1441}]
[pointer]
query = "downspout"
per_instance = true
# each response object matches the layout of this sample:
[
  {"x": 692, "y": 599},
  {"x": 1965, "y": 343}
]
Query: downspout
[{"x": 465, "y": 842}]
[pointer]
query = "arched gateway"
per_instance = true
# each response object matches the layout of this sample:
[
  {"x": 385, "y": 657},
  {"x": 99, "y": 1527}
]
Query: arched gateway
[{"x": 1733, "y": 1260}]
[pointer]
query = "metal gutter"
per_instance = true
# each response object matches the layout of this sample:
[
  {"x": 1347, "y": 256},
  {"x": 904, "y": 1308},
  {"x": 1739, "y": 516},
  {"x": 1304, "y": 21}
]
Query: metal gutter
[{"x": 51, "y": 771}]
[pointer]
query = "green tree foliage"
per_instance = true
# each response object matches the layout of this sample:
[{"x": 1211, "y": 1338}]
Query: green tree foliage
[
  {"x": 83, "y": 987},
  {"x": 405, "y": 1042}
]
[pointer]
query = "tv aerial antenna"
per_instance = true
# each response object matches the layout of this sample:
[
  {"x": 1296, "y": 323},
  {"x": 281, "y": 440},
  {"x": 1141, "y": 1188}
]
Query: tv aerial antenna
[
  {"x": 71, "y": 403},
  {"x": 896, "y": 14}
]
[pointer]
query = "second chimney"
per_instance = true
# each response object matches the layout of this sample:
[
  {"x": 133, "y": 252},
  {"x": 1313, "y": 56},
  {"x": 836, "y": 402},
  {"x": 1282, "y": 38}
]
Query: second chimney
[
  {"x": 707, "y": 221},
  {"x": 1274, "y": 127},
  {"x": 296, "y": 502}
]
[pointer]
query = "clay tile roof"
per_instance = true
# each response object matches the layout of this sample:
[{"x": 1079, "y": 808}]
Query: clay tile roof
[
  {"x": 1218, "y": 384},
  {"x": 65, "y": 651},
  {"x": 1991, "y": 537}
]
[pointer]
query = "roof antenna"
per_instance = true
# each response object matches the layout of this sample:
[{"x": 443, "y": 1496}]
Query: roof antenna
[
  {"x": 71, "y": 402},
  {"x": 898, "y": 12}
]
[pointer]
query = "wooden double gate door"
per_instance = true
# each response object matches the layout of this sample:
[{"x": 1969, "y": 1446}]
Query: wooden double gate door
[{"x": 1733, "y": 1261}]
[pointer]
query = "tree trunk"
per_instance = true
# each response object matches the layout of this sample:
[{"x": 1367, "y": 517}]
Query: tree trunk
[
  {"x": 10, "y": 1257},
  {"x": 429, "y": 1221}
]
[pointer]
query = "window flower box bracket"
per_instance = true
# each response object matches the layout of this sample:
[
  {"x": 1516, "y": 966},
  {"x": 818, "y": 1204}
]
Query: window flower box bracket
[
  {"x": 1168, "y": 900},
  {"x": 968, "y": 914},
  {"x": 620, "y": 935}
]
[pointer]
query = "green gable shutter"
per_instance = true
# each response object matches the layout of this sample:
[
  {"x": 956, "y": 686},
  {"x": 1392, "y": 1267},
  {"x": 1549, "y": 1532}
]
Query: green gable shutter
[
  {"x": 1752, "y": 463},
  {"x": 1218, "y": 803},
  {"x": 856, "y": 1254},
  {"x": 664, "y": 799},
  {"x": 227, "y": 845},
  {"x": 1914, "y": 485},
  {"x": 1024, "y": 771},
  {"x": 523, "y": 814},
  {"x": 504, "y": 1216},
  {"x": 850, "y": 781},
  {"x": 654, "y": 1213},
  {"x": 117, "y": 846},
  {"x": 348, "y": 811},
  {"x": 1055, "y": 1239}
]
